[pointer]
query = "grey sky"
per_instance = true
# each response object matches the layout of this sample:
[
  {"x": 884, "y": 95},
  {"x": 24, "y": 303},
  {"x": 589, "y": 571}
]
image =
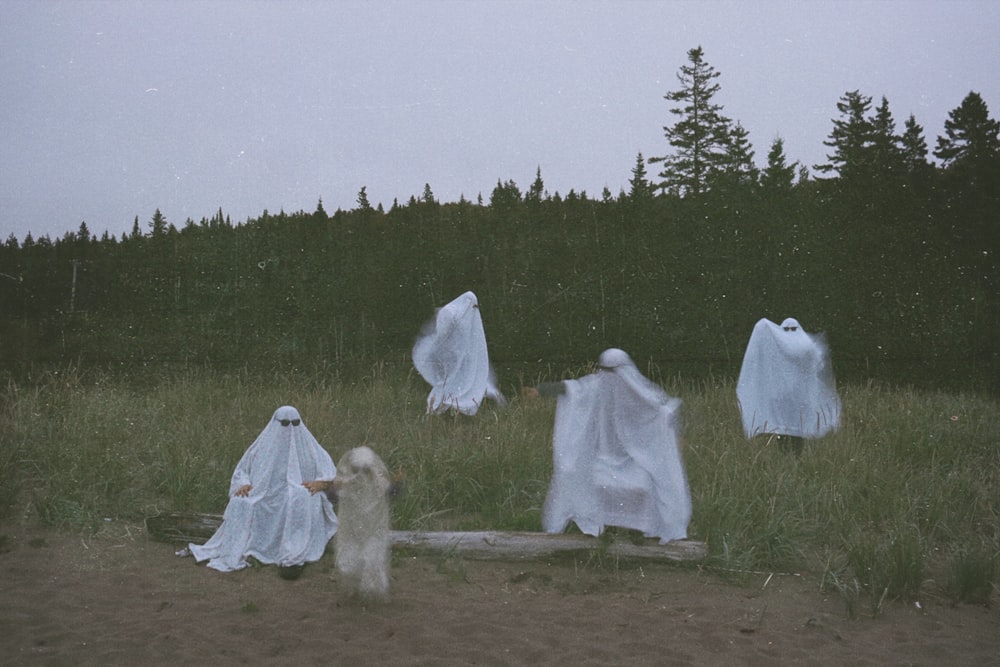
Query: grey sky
[{"x": 111, "y": 110}]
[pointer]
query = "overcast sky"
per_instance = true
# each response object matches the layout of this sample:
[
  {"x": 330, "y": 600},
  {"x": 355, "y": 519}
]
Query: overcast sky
[{"x": 110, "y": 110}]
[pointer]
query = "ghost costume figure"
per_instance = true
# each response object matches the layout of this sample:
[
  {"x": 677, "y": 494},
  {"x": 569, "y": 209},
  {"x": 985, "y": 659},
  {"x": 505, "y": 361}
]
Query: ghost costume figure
[
  {"x": 363, "y": 541},
  {"x": 272, "y": 515},
  {"x": 786, "y": 385},
  {"x": 451, "y": 355},
  {"x": 616, "y": 455}
]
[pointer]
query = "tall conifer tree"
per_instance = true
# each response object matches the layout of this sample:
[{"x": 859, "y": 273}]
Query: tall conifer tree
[
  {"x": 913, "y": 147},
  {"x": 700, "y": 136},
  {"x": 851, "y": 138},
  {"x": 640, "y": 189},
  {"x": 778, "y": 176},
  {"x": 972, "y": 139}
]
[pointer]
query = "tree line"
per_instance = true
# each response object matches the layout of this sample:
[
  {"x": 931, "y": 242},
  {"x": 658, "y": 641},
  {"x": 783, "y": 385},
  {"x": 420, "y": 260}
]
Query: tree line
[{"x": 893, "y": 256}]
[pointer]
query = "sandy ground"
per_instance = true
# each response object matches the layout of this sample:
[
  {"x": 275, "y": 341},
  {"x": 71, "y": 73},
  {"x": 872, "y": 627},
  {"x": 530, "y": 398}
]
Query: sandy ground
[{"x": 121, "y": 598}]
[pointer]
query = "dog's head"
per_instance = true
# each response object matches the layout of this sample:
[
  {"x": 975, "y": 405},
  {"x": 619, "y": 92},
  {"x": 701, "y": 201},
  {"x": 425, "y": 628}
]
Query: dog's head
[{"x": 362, "y": 463}]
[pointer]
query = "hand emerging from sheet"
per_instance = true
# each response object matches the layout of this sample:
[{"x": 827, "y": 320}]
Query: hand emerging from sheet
[
  {"x": 243, "y": 491},
  {"x": 318, "y": 485}
]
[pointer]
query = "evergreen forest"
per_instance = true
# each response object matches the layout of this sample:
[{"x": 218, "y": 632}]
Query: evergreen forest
[{"x": 892, "y": 255}]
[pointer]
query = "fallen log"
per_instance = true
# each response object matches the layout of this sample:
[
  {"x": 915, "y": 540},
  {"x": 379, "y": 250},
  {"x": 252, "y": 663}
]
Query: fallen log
[
  {"x": 488, "y": 545},
  {"x": 182, "y": 527}
]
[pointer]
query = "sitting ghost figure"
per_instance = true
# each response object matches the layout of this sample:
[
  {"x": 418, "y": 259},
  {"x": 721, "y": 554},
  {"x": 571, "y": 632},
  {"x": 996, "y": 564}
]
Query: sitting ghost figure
[
  {"x": 275, "y": 513},
  {"x": 616, "y": 454},
  {"x": 786, "y": 384},
  {"x": 363, "y": 541},
  {"x": 451, "y": 355}
]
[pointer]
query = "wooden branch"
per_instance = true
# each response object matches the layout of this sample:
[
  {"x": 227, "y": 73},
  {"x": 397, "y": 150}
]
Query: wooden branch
[{"x": 182, "y": 527}]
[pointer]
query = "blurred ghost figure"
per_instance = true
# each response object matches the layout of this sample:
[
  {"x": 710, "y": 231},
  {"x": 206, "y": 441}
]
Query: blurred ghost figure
[
  {"x": 363, "y": 541},
  {"x": 616, "y": 454},
  {"x": 275, "y": 513},
  {"x": 786, "y": 385},
  {"x": 450, "y": 353}
]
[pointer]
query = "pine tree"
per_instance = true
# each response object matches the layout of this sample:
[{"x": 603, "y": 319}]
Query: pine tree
[
  {"x": 158, "y": 225},
  {"x": 913, "y": 147},
  {"x": 886, "y": 156},
  {"x": 739, "y": 168},
  {"x": 363, "y": 204},
  {"x": 537, "y": 189},
  {"x": 640, "y": 189},
  {"x": 778, "y": 176},
  {"x": 505, "y": 194},
  {"x": 972, "y": 139},
  {"x": 701, "y": 135},
  {"x": 319, "y": 213},
  {"x": 851, "y": 138},
  {"x": 428, "y": 196}
]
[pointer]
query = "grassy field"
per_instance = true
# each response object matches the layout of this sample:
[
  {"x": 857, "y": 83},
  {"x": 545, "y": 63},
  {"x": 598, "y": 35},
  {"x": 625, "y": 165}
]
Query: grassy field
[{"x": 904, "y": 500}]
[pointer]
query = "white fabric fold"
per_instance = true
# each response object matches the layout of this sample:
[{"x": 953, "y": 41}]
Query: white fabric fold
[
  {"x": 451, "y": 355},
  {"x": 279, "y": 521},
  {"x": 786, "y": 384},
  {"x": 617, "y": 455}
]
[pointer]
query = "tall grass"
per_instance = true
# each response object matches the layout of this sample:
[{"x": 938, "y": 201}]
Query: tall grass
[{"x": 905, "y": 498}]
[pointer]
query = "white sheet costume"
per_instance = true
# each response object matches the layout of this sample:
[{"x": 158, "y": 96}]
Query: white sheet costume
[
  {"x": 363, "y": 540},
  {"x": 451, "y": 355},
  {"x": 616, "y": 455},
  {"x": 279, "y": 521},
  {"x": 786, "y": 384}
]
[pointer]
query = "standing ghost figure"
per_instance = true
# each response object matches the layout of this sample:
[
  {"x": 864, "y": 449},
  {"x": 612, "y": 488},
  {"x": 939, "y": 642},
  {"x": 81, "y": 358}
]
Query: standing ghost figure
[
  {"x": 617, "y": 455},
  {"x": 786, "y": 384},
  {"x": 275, "y": 513},
  {"x": 363, "y": 541},
  {"x": 451, "y": 355}
]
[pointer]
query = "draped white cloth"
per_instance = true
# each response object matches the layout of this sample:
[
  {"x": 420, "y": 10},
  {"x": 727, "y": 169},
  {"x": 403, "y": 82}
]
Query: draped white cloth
[
  {"x": 786, "y": 384},
  {"x": 617, "y": 455},
  {"x": 279, "y": 521},
  {"x": 450, "y": 353}
]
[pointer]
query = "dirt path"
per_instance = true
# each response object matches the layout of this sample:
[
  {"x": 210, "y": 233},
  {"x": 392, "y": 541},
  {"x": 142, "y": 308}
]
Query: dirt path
[{"x": 120, "y": 598}]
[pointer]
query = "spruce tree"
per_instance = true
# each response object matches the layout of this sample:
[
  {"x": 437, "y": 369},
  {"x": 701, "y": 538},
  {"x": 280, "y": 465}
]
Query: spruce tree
[
  {"x": 913, "y": 147},
  {"x": 739, "y": 168},
  {"x": 428, "y": 196},
  {"x": 701, "y": 135},
  {"x": 363, "y": 204},
  {"x": 158, "y": 225},
  {"x": 972, "y": 139},
  {"x": 851, "y": 138},
  {"x": 640, "y": 189},
  {"x": 534, "y": 193},
  {"x": 886, "y": 155},
  {"x": 778, "y": 176}
]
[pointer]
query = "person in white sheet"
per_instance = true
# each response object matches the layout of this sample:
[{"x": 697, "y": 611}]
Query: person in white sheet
[
  {"x": 275, "y": 513},
  {"x": 786, "y": 385},
  {"x": 450, "y": 353},
  {"x": 616, "y": 454}
]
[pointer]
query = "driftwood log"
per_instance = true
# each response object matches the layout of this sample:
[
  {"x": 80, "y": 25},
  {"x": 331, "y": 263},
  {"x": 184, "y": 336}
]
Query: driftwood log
[{"x": 182, "y": 527}]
